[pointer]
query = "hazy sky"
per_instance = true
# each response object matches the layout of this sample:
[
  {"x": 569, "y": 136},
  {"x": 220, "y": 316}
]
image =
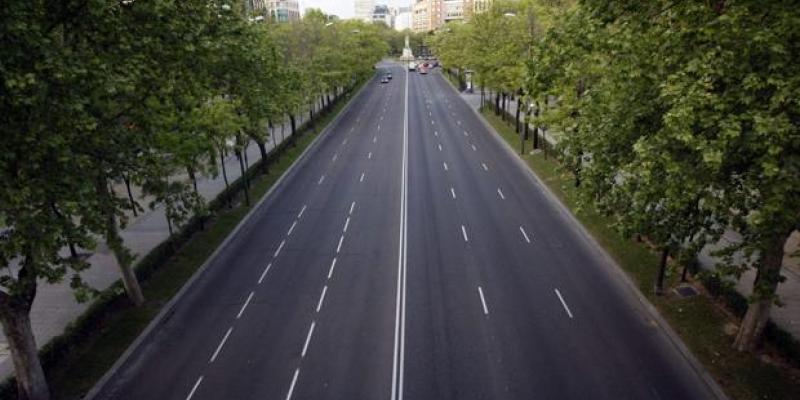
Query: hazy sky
[{"x": 344, "y": 8}]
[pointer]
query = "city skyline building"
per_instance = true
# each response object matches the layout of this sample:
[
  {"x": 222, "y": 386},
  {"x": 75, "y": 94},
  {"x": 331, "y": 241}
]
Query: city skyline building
[{"x": 364, "y": 9}]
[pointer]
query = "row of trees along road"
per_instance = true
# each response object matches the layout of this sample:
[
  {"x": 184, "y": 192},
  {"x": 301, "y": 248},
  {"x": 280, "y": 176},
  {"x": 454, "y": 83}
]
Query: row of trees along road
[
  {"x": 98, "y": 92},
  {"x": 679, "y": 119}
]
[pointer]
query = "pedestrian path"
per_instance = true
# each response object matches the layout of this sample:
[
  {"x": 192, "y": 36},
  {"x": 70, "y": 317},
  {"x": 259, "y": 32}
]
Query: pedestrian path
[
  {"x": 55, "y": 305},
  {"x": 787, "y": 316}
]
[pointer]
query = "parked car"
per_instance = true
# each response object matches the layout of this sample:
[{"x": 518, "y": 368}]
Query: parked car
[
  {"x": 384, "y": 80},
  {"x": 389, "y": 76}
]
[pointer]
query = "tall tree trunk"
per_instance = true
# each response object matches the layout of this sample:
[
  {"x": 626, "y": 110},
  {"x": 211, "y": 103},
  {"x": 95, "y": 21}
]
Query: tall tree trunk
[
  {"x": 193, "y": 178},
  {"x": 516, "y": 118},
  {"x": 767, "y": 278},
  {"x": 124, "y": 260},
  {"x": 662, "y": 270},
  {"x": 497, "y": 103},
  {"x": 293, "y": 125},
  {"x": 246, "y": 160},
  {"x": 262, "y": 148},
  {"x": 222, "y": 164},
  {"x": 244, "y": 177},
  {"x": 130, "y": 195},
  {"x": 535, "y": 126},
  {"x": 14, "y": 315},
  {"x": 200, "y": 217}
]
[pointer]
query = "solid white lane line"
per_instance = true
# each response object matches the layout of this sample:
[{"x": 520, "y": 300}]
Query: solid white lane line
[
  {"x": 321, "y": 179},
  {"x": 291, "y": 228},
  {"x": 369, "y": 155},
  {"x": 283, "y": 242},
  {"x": 464, "y": 232},
  {"x": 339, "y": 247},
  {"x": 453, "y": 193},
  {"x": 346, "y": 224},
  {"x": 308, "y": 339},
  {"x": 485, "y": 168},
  {"x": 521, "y": 229},
  {"x": 322, "y": 297},
  {"x": 483, "y": 301},
  {"x": 221, "y": 343},
  {"x": 263, "y": 274},
  {"x": 398, "y": 358},
  {"x": 362, "y": 177},
  {"x": 445, "y": 166},
  {"x": 474, "y": 148},
  {"x": 301, "y": 212},
  {"x": 246, "y": 302},
  {"x": 440, "y": 147},
  {"x": 291, "y": 387},
  {"x": 500, "y": 192},
  {"x": 352, "y": 205},
  {"x": 564, "y": 303},
  {"x": 194, "y": 388},
  {"x": 333, "y": 265}
]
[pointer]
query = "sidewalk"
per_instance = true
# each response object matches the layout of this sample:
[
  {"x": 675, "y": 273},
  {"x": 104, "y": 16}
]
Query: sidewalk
[
  {"x": 788, "y": 316},
  {"x": 55, "y": 305}
]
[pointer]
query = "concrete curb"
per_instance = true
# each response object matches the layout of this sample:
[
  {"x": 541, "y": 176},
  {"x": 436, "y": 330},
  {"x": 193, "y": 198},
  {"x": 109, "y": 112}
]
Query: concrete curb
[
  {"x": 614, "y": 267},
  {"x": 168, "y": 308}
]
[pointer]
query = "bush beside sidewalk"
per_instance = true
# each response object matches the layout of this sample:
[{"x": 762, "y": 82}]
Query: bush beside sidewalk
[
  {"x": 92, "y": 342},
  {"x": 705, "y": 323}
]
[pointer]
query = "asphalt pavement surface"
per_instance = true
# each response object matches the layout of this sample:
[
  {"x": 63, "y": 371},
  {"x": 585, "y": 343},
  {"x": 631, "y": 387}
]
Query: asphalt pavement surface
[{"x": 407, "y": 256}]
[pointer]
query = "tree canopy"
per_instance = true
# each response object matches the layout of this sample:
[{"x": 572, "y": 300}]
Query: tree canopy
[{"x": 97, "y": 92}]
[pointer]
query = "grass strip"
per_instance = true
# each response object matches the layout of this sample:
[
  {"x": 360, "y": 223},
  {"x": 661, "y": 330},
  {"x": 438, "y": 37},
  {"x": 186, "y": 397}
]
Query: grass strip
[
  {"x": 72, "y": 377},
  {"x": 700, "y": 321}
]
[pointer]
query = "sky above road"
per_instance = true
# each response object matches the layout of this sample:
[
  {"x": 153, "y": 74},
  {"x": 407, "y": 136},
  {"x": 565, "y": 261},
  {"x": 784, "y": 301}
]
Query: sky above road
[{"x": 344, "y": 8}]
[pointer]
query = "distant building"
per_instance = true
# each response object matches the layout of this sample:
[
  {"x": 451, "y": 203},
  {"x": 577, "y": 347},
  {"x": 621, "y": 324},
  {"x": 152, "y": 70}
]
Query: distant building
[
  {"x": 428, "y": 15},
  {"x": 283, "y": 10},
  {"x": 382, "y": 13},
  {"x": 472, "y": 7},
  {"x": 452, "y": 10},
  {"x": 277, "y": 10},
  {"x": 425, "y": 15},
  {"x": 403, "y": 19},
  {"x": 364, "y": 9}
]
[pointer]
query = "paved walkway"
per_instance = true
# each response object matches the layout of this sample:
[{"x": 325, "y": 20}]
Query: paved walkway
[
  {"x": 55, "y": 305},
  {"x": 787, "y": 316}
]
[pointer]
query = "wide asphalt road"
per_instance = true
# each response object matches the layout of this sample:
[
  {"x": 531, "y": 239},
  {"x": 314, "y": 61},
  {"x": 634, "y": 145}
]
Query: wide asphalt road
[{"x": 407, "y": 256}]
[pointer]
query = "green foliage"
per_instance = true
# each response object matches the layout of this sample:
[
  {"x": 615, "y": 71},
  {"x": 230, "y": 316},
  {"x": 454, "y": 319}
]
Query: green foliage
[
  {"x": 93, "y": 93},
  {"x": 679, "y": 119}
]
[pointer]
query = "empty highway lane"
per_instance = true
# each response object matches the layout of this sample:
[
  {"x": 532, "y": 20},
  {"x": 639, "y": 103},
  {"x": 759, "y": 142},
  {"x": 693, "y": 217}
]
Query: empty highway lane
[{"x": 407, "y": 256}]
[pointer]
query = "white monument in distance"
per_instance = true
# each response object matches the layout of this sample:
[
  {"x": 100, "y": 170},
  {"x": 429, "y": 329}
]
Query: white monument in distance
[{"x": 408, "y": 56}]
